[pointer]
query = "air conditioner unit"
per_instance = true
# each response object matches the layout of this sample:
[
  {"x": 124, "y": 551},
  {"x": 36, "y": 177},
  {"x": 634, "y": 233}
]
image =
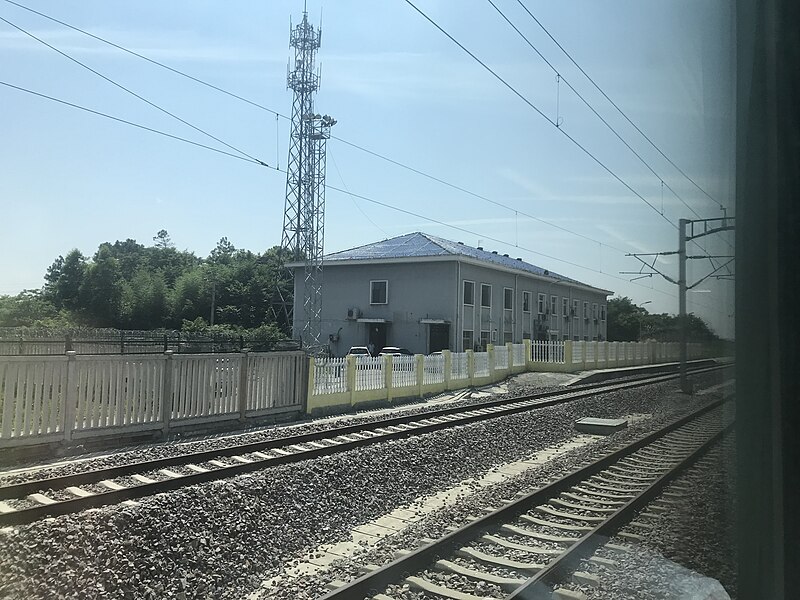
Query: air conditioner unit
[{"x": 353, "y": 313}]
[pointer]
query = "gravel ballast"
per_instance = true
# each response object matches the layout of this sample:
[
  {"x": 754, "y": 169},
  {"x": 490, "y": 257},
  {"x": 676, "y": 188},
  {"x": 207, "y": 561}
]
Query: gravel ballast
[{"x": 221, "y": 539}]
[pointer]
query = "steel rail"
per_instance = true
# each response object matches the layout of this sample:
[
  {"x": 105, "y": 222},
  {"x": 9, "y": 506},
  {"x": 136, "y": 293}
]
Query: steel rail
[
  {"x": 17, "y": 490},
  {"x": 375, "y": 581},
  {"x": 469, "y": 414}
]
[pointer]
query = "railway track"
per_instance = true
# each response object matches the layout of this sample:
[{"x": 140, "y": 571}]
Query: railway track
[
  {"x": 30, "y": 501},
  {"x": 526, "y": 548}
]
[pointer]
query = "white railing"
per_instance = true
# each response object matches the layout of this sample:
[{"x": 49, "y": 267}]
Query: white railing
[
  {"x": 459, "y": 365},
  {"x": 519, "y": 355},
  {"x": 547, "y": 352},
  {"x": 330, "y": 375},
  {"x": 369, "y": 373},
  {"x": 404, "y": 371},
  {"x": 58, "y": 397},
  {"x": 433, "y": 369},
  {"x": 481, "y": 364},
  {"x": 501, "y": 357}
]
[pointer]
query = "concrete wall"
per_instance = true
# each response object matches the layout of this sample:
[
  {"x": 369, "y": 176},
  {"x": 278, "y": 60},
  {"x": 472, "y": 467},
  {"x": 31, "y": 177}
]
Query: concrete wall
[{"x": 424, "y": 290}]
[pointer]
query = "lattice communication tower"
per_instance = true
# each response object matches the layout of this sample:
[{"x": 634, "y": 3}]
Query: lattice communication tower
[{"x": 304, "y": 214}]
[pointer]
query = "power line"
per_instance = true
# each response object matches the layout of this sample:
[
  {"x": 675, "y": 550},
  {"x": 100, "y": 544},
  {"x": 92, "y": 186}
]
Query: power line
[
  {"x": 590, "y": 107},
  {"x": 337, "y": 138},
  {"x": 539, "y": 112},
  {"x": 614, "y": 104},
  {"x": 131, "y": 92},
  {"x": 336, "y": 189},
  {"x": 150, "y": 60},
  {"x": 132, "y": 124}
]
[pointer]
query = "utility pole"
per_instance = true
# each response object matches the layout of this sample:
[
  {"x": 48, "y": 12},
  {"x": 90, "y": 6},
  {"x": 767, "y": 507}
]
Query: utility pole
[
  {"x": 684, "y": 333},
  {"x": 304, "y": 213},
  {"x": 716, "y": 226}
]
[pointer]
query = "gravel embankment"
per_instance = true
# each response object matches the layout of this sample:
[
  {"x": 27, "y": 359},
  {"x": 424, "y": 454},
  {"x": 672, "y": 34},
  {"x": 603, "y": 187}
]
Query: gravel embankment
[{"x": 221, "y": 539}]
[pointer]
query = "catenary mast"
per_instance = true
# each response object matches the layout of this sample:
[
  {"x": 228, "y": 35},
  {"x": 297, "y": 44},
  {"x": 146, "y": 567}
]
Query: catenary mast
[{"x": 304, "y": 214}]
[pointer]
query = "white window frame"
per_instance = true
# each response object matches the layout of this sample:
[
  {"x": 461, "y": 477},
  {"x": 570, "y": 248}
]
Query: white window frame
[
  {"x": 472, "y": 337},
  {"x": 466, "y": 281},
  {"x": 488, "y": 285},
  {"x": 576, "y": 307},
  {"x": 565, "y": 307},
  {"x": 505, "y": 290},
  {"x": 585, "y": 310},
  {"x": 553, "y": 306},
  {"x": 371, "y": 289},
  {"x": 595, "y": 313},
  {"x": 602, "y": 312},
  {"x": 541, "y": 303},
  {"x": 526, "y": 301}
]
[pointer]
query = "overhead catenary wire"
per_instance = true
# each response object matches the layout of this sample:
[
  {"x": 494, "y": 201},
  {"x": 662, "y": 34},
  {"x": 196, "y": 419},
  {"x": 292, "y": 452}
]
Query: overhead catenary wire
[
  {"x": 610, "y": 127},
  {"x": 278, "y": 114},
  {"x": 335, "y": 188},
  {"x": 131, "y": 92},
  {"x": 614, "y": 104}
]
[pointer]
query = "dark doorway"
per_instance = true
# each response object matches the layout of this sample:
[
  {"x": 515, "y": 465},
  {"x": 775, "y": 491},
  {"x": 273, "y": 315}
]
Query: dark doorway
[
  {"x": 439, "y": 338},
  {"x": 377, "y": 336}
]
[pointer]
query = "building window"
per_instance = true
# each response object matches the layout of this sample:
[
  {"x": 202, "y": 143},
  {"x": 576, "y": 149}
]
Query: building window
[
  {"x": 468, "y": 338},
  {"x": 586, "y": 310},
  {"x": 541, "y": 303},
  {"x": 565, "y": 307},
  {"x": 594, "y": 311},
  {"x": 602, "y": 312},
  {"x": 526, "y": 302},
  {"x": 507, "y": 337},
  {"x": 508, "y": 298},
  {"x": 379, "y": 292},
  {"x": 576, "y": 338},
  {"x": 469, "y": 293},
  {"x": 553, "y": 306},
  {"x": 486, "y": 295},
  {"x": 575, "y": 309},
  {"x": 485, "y": 341}
]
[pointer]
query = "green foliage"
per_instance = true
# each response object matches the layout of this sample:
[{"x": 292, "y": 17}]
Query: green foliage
[
  {"x": 127, "y": 285},
  {"x": 628, "y": 322}
]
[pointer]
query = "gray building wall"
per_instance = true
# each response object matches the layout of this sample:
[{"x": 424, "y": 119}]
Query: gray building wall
[
  {"x": 435, "y": 290},
  {"x": 499, "y": 325},
  {"x": 423, "y": 290}
]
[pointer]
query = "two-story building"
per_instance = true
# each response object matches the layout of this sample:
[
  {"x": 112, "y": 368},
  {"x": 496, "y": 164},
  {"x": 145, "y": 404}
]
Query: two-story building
[{"x": 427, "y": 294}]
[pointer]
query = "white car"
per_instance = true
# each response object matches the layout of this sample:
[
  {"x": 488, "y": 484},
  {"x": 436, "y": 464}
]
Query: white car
[{"x": 359, "y": 351}]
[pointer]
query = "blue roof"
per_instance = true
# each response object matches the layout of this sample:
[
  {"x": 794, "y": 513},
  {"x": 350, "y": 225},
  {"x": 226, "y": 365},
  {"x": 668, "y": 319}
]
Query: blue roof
[{"x": 414, "y": 245}]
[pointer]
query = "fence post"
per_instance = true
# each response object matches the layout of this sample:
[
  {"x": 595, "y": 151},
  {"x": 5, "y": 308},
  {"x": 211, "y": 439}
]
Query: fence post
[
  {"x": 568, "y": 355},
  {"x": 70, "y": 396},
  {"x": 351, "y": 377},
  {"x": 470, "y": 366},
  {"x": 387, "y": 375},
  {"x": 528, "y": 357},
  {"x": 68, "y": 342},
  {"x": 510, "y": 352},
  {"x": 596, "y": 353},
  {"x": 420, "y": 372},
  {"x": 448, "y": 368},
  {"x": 122, "y": 342},
  {"x": 166, "y": 394},
  {"x": 490, "y": 360},
  {"x": 244, "y": 379},
  {"x": 312, "y": 375}
]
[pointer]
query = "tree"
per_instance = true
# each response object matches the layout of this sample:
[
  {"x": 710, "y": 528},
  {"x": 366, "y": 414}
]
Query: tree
[
  {"x": 162, "y": 240},
  {"x": 30, "y": 308},
  {"x": 628, "y": 322},
  {"x": 101, "y": 290},
  {"x": 64, "y": 279},
  {"x": 624, "y": 320}
]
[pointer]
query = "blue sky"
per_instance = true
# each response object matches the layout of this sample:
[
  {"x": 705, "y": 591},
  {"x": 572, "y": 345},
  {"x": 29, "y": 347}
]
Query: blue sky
[{"x": 397, "y": 86}]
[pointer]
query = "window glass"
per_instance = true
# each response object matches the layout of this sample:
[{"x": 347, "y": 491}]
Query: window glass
[
  {"x": 565, "y": 307},
  {"x": 526, "y": 302},
  {"x": 469, "y": 293},
  {"x": 553, "y": 305},
  {"x": 379, "y": 292},
  {"x": 575, "y": 308},
  {"x": 603, "y": 312},
  {"x": 486, "y": 295},
  {"x": 585, "y": 310},
  {"x": 468, "y": 338},
  {"x": 541, "y": 303},
  {"x": 508, "y": 298}
]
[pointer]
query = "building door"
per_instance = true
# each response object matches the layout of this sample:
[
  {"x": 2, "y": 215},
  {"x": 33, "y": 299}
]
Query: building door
[
  {"x": 377, "y": 336},
  {"x": 439, "y": 337}
]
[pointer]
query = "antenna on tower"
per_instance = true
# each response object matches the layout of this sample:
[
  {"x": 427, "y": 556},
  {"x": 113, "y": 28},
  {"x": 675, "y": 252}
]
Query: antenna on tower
[{"x": 304, "y": 213}]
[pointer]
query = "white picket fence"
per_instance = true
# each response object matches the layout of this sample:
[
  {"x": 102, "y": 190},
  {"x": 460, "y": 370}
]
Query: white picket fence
[
  {"x": 481, "y": 364},
  {"x": 433, "y": 369},
  {"x": 369, "y": 373},
  {"x": 330, "y": 375},
  {"x": 459, "y": 365},
  {"x": 542, "y": 351},
  {"x": 404, "y": 371},
  {"x": 56, "y": 398}
]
